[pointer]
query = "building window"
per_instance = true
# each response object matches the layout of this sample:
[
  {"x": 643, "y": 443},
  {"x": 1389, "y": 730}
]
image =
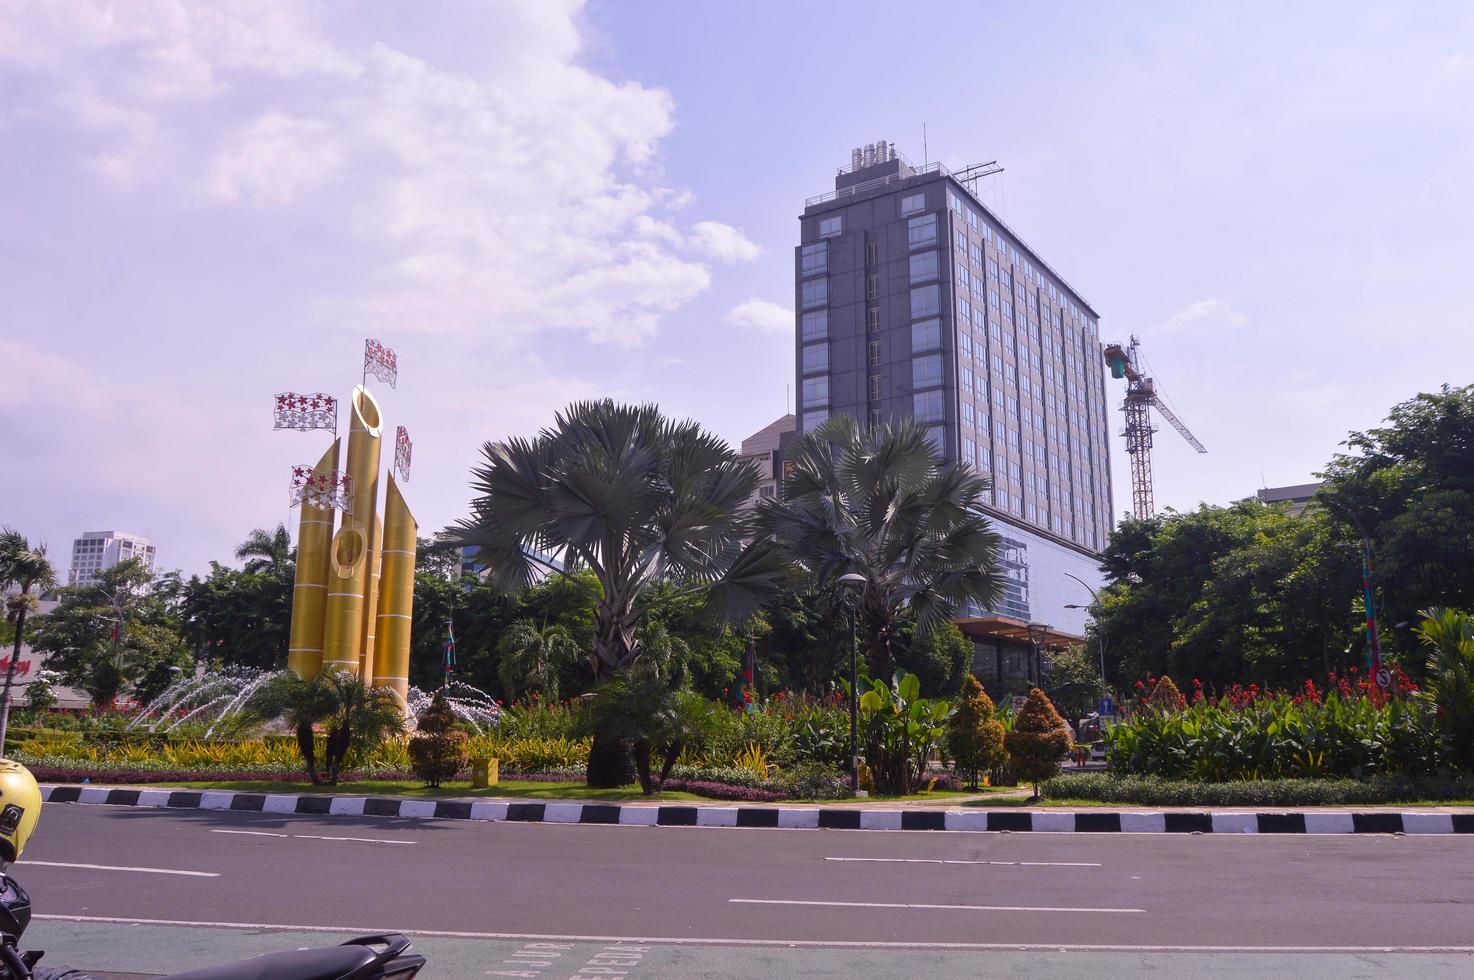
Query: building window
[
  {"x": 814, "y": 259},
  {"x": 962, "y": 274},
  {"x": 964, "y": 343},
  {"x": 872, "y": 318},
  {"x": 877, "y": 387},
  {"x": 874, "y": 419},
  {"x": 816, "y": 325},
  {"x": 922, "y": 231},
  {"x": 969, "y": 452},
  {"x": 816, "y": 358},
  {"x": 967, "y": 380},
  {"x": 926, "y": 301},
  {"x": 969, "y": 415},
  {"x": 964, "y": 310},
  {"x": 873, "y": 353},
  {"x": 926, "y": 335},
  {"x": 812, "y": 420},
  {"x": 927, "y": 406},
  {"x": 815, "y": 292},
  {"x": 816, "y": 392},
  {"x": 872, "y": 253},
  {"x": 926, "y": 371},
  {"x": 912, "y": 203},
  {"x": 937, "y": 436},
  {"x": 872, "y": 286},
  {"x": 924, "y": 266},
  {"x": 829, "y": 227}
]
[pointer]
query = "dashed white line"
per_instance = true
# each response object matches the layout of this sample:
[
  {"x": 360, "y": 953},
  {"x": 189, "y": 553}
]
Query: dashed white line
[
  {"x": 1001, "y": 864},
  {"x": 920, "y": 905},
  {"x": 361, "y": 840},
  {"x": 112, "y": 867}
]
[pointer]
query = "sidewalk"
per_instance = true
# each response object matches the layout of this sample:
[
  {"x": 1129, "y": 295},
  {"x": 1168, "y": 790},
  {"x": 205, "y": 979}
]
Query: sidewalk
[{"x": 846, "y": 816}]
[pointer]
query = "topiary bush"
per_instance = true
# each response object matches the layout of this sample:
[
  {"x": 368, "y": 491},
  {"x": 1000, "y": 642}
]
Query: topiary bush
[
  {"x": 437, "y": 749},
  {"x": 1039, "y": 740},
  {"x": 1165, "y": 697},
  {"x": 974, "y": 737}
]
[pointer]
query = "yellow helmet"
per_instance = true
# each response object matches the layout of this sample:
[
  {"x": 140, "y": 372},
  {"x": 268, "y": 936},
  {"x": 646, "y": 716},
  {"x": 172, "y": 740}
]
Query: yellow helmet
[{"x": 20, "y": 808}]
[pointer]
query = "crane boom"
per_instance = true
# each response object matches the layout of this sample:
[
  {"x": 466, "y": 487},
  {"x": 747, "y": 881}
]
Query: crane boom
[{"x": 1177, "y": 424}]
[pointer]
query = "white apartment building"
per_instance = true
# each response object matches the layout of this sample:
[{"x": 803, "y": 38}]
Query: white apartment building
[{"x": 96, "y": 551}]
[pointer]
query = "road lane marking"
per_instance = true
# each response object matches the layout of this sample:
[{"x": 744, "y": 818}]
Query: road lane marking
[
  {"x": 112, "y": 867},
  {"x": 1001, "y": 864},
  {"x": 693, "y": 941},
  {"x": 918, "y": 905},
  {"x": 361, "y": 840}
]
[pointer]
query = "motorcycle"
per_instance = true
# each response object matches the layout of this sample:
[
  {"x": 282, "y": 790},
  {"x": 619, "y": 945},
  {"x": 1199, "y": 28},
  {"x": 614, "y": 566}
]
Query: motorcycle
[{"x": 377, "y": 957}]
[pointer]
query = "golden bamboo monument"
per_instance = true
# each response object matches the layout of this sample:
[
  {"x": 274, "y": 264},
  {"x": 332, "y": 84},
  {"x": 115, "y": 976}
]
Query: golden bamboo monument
[
  {"x": 352, "y": 560},
  {"x": 310, "y": 587},
  {"x": 396, "y": 594},
  {"x": 371, "y": 596}
]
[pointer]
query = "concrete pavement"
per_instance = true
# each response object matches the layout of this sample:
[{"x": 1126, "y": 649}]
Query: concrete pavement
[{"x": 156, "y": 891}]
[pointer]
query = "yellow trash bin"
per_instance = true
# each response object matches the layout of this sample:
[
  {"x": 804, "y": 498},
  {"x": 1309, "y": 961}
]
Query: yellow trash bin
[{"x": 485, "y": 772}]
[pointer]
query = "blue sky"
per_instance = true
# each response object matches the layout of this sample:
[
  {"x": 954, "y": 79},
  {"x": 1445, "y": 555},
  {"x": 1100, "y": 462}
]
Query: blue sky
[{"x": 533, "y": 203}]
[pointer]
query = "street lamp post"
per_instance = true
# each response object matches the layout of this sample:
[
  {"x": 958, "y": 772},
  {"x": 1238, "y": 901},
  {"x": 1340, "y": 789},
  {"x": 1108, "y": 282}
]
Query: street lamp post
[
  {"x": 850, "y": 585},
  {"x": 1038, "y": 633},
  {"x": 1099, "y": 630}
]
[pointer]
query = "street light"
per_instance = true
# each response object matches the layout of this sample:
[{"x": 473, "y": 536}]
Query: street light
[
  {"x": 1038, "y": 632},
  {"x": 1099, "y": 630},
  {"x": 850, "y": 586}
]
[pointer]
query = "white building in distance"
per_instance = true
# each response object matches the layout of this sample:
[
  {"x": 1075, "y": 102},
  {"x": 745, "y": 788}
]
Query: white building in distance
[{"x": 96, "y": 551}]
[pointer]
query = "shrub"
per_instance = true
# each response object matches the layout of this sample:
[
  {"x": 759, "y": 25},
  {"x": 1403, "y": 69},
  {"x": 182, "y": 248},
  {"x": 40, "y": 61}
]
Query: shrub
[
  {"x": 1165, "y": 696},
  {"x": 974, "y": 736},
  {"x": 812, "y": 781},
  {"x": 1151, "y": 791},
  {"x": 1039, "y": 740},
  {"x": 1450, "y": 637},
  {"x": 901, "y": 729},
  {"x": 724, "y": 791},
  {"x": 437, "y": 749}
]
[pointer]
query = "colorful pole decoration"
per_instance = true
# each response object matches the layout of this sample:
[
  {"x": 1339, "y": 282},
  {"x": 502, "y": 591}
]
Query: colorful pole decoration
[
  {"x": 305, "y": 412},
  {"x": 1374, "y": 645},
  {"x": 325, "y": 490},
  {"x": 450, "y": 650},
  {"x": 381, "y": 362},
  {"x": 402, "y": 450}
]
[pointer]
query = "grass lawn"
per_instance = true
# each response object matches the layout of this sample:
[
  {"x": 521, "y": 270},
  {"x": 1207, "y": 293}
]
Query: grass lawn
[{"x": 510, "y": 788}]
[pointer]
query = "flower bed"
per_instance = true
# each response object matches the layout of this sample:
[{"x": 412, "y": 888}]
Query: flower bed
[{"x": 1149, "y": 791}]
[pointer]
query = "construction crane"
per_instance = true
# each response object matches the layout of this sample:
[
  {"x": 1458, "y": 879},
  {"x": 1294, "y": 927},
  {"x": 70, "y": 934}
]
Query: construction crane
[{"x": 1141, "y": 398}]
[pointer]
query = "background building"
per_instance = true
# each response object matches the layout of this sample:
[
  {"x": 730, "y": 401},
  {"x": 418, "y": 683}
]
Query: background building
[
  {"x": 765, "y": 449},
  {"x": 96, "y": 551},
  {"x": 1298, "y": 496},
  {"x": 914, "y": 299}
]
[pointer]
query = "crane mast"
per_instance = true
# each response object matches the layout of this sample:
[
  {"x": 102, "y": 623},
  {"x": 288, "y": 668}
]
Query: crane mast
[{"x": 1141, "y": 398}]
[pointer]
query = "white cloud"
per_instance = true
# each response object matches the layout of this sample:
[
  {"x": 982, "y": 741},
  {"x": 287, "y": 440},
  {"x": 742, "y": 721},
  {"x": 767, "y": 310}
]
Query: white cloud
[
  {"x": 723, "y": 242},
  {"x": 759, "y": 314},
  {"x": 1215, "y": 312},
  {"x": 273, "y": 158},
  {"x": 1458, "y": 65}
]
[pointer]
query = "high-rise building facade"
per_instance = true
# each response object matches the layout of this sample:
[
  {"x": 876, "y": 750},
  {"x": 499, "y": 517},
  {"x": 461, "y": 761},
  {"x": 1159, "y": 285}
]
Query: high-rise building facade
[
  {"x": 96, "y": 551},
  {"x": 913, "y": 298}
]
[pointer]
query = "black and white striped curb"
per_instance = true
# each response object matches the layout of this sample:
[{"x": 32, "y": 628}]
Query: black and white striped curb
[{"x": 832, "y": 818}]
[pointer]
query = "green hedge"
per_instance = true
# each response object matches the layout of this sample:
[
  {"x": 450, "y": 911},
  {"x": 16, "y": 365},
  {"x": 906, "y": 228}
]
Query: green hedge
[{"x": 1152, "y": 791}]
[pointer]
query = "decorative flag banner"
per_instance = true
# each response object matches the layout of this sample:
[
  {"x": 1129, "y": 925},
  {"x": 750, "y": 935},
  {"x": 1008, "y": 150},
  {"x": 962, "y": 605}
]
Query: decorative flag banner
[
  {"x": 304, "y": 412},
  {"x": 381, "y": 362},
  {"x": 449, "y": 662},
  {"x": 402, "y": 450},
  {"x": 325, "y": 491}
]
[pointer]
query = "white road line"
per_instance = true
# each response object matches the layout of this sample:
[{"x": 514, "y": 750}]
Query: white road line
[
  {"x": 1001, "y": 864},
  {"x": 109, "y": 867},
  {"x": 918, "y": 905},
  {"x": 691, "y": 941},
  {"x": 361, "y": 840}
]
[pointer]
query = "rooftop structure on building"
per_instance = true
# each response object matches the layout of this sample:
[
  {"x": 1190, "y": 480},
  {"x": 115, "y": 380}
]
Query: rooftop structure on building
[
  {"x": 97, "y": 551},
  {"x": 914, "y": 298},
  {"x": 1297, "y": 496}
]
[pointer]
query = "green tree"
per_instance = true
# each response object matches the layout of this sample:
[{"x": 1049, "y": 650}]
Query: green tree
[
  {"x": 940, "y": 660},
  {"x": 1038, "y": 741},
  {"x": 1449, "y": 636},
  {"x": 354, "y": 718},
  {"x": 532, "y": 659},
  {"x": 636, "y": 499},
  {"x": 26, "y": 570},
  {"x": 884, "y": 505},
  {"x": 268, "y": 552},
  {"x": 974, "y": 736},
  {"x": 1074, "y": 681},
  {"x": 437, "y": 749}
]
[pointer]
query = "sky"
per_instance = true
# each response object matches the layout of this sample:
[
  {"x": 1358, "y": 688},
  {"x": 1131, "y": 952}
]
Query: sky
[{"x": 533, "y": 203}]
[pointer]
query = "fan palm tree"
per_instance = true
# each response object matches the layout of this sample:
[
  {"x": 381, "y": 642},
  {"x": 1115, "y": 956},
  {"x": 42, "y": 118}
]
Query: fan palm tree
[
  {"x": 531, "y": 659},
  {"x": 635, "y": 498},
  {"x": 24, "y": 568},
  {"x": 884, "y": 505},
  {"x": 267, "y": 551}
]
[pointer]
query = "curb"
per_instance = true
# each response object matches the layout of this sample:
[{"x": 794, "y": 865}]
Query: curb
[{"x": 996, "y": 821}]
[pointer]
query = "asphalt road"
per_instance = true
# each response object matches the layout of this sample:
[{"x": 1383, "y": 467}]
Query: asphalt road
[{"x": 168, "y": 891}]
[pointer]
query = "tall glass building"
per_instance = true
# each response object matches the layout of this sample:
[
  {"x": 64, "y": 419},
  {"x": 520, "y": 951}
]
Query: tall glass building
[{"x": 913, "y": 298}]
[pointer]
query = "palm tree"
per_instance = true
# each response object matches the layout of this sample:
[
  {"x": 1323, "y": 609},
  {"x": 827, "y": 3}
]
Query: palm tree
[
  {"x": 354, "y": 717},
  {"x": 25, "y": 568},
  {"x": 884, "y": 505},
  {"x": 531, "y": 658},
  {"x": 1449, "y": 684},
  {"x": 267, "y": 551},
  {"x": 635, "y": 498}
]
